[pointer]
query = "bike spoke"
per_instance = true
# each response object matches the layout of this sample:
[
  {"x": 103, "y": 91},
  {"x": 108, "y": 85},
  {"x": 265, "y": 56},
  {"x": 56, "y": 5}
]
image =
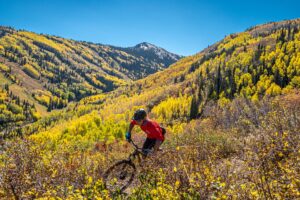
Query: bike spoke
[{"x": 119, "y": 177}]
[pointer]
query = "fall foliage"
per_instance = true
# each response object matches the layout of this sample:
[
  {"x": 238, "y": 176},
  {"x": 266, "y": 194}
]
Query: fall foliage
[{"x": 231, "y": 113}]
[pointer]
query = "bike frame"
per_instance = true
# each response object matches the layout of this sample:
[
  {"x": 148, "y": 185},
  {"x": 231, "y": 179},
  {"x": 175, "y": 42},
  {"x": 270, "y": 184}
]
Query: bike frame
[{"x": 137, "y": 151}]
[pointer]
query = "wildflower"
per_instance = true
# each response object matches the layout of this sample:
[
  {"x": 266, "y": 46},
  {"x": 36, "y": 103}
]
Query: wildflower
[
  {"x": 83, "y": 191},
  {"x": 153, "y": 192},
  {"x": 223, "y": 184},
  {"x": 286, "y": 144},
  {"x": 90, "y": 180},
  {"x": 70, "y": 188},
  {"x": 175, "y": 169},
  {"x": 254, "y": 193},
  {"x": 177, "y": 183},
  {"x": 243, "y": 186}
]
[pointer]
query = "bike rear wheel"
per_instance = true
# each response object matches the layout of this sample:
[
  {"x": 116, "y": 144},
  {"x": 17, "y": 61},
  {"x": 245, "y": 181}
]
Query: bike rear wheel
[{"x": 119, "y": 176}]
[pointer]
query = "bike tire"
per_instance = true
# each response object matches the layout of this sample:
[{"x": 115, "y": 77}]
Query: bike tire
[{"x": 125, "y": 164}]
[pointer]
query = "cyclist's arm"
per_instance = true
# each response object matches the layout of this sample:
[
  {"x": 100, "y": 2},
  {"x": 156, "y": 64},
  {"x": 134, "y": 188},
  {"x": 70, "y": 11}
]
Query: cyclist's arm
[{"x": 131, "y": 125}]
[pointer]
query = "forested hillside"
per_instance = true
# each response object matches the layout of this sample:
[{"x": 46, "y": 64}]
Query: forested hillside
[
  {"x": 232, "y": 117},
  {"x": 50, "y": 71},
  {"x": 258, "y": 63},
  {"x": 14, "y": 112}
]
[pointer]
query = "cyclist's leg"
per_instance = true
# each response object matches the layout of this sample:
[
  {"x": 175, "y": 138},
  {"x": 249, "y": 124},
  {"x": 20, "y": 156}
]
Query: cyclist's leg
[
  {"x": 148, "y": 145},
  {"x": 157, "y": 145}
]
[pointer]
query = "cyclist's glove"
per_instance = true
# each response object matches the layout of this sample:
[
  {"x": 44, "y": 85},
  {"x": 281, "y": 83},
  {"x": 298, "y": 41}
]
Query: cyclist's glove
[{"x": 128, "y": 136}]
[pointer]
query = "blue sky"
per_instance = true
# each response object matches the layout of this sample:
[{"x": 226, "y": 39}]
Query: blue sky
[{"x": 180, "y": 26}]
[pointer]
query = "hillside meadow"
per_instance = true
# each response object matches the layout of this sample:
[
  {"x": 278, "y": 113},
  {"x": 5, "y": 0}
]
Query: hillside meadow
[{"x": 232, "y": 114}]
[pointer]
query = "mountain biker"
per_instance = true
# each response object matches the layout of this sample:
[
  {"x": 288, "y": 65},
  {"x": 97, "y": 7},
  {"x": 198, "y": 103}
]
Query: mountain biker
[{"x": 155, "y": 133}]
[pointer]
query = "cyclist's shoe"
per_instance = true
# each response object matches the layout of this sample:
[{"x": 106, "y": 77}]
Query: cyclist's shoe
[{"x": 147, "y": 151}]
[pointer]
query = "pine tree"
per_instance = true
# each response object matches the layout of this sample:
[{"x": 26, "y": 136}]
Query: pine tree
[
  {"x": 194, "y": 107},
  {"x": 218, "y": 81}
]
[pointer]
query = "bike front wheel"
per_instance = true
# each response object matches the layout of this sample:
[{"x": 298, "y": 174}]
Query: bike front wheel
[{"x": 119, "y": 176}]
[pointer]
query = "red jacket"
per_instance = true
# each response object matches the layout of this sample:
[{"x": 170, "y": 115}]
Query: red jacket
[{"x": 151, "y": 128}]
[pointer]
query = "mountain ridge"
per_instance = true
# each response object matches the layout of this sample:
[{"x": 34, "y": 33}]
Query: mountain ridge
[
  {"x": 152, "y": 52},
  {"x": 65, "y": 69}
]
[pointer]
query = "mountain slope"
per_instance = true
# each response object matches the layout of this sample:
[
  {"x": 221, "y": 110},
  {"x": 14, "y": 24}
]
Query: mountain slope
[
  {"x": 257, "y": 63},
  {"x": 53, "y": 71},
  {"x": 252, "y": 64},
  {"x": 260, "y": 62}
]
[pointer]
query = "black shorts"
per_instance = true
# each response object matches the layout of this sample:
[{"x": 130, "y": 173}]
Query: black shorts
[{"x": 148, "y": 145}]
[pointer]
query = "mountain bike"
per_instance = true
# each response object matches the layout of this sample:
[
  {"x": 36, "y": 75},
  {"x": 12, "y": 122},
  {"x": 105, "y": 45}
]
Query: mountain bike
[{"x": 120, "y": 175}]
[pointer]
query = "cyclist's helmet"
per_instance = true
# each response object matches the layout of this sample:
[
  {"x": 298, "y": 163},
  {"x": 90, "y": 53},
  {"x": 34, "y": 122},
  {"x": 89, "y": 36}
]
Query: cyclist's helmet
[{"x": 139, "y": 114}]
